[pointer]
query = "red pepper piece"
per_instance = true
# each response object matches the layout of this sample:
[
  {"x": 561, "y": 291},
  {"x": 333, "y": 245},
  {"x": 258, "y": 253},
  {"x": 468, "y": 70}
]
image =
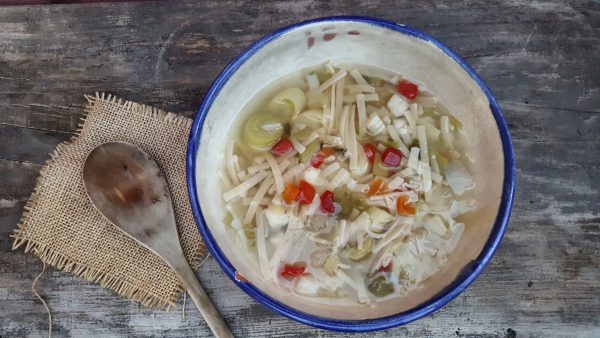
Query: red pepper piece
[
  {"x": 327, "y": 203},
  {"x": 370, "y": 151},
  {"x": 391, "y": 157},
  {"x": 291, "y": 193},
  {"x": 308, "y": 193},
  {"x": 408, "y": 89},
  {"x": 282, "y": 147},
  {"x": 293, "y": 270},
  {"x": 317, "y": 160},
  {"x": 387, "y": 268}
]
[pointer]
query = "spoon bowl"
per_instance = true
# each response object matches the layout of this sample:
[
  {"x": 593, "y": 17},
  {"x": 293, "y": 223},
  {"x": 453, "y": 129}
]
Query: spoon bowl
[{"x": 126, "y": 186}]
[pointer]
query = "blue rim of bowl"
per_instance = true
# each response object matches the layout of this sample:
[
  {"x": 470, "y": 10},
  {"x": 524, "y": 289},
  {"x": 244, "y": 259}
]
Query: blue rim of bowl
[{"x": 424, "y": 309}]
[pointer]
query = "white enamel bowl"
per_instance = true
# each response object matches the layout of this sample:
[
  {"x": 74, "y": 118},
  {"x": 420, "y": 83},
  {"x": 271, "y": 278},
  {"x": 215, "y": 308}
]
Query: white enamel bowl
[{"x": 385, "y": 45}]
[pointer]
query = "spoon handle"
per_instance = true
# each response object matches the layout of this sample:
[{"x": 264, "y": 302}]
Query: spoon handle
[{"x": 205, "y": 306}]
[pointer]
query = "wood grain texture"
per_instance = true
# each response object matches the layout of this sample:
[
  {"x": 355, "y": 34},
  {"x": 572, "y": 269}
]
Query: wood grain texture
[{"x": 541, "y": 60}]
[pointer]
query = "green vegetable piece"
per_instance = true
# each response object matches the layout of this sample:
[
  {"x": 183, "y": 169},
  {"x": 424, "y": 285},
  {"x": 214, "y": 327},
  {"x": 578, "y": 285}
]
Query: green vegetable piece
[
  {"x": 378, "y": 169},
  {"x": 288, "y": 102},
  {"x": 393, "y": 144},
  {"x": 250, "y": 233},
  {"x": 322, "y": 75},
  {"x": 442, "y": 162},
  {"x": 373, "y": 81},
  {"x": 262, "y": 131},
  {"x": 364, "y": 253},
  {"x": 227, "y": 220},
  {"x": 344, "y": 198},
  {"x": 380, "y": 287},
  {"x": 311, "y": 149}
]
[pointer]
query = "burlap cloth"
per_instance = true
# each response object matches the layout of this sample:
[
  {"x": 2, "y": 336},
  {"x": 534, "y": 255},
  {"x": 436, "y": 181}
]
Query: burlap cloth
[{"x": 62, "y": 228}]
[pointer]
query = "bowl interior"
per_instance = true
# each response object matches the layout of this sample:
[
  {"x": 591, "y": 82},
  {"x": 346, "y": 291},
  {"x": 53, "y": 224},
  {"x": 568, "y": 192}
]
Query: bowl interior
[{"x": 372, "y": 45}]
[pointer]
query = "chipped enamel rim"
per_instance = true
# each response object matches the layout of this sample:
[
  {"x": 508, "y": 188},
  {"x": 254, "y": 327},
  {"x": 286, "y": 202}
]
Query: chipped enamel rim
[{"x": 426, "y": 308}]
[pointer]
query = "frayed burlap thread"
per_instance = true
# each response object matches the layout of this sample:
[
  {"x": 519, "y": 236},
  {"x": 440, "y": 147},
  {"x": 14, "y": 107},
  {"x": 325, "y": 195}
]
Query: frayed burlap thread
[{"x": 62, "y": 228}]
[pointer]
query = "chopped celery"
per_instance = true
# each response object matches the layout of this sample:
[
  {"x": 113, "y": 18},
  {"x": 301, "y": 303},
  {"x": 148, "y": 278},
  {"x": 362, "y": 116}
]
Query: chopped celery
[
  {"x": 357, "y": 255},
  {"x": 262, "y": 131},
  {"x": 227, "y": 220},
  {"x": 373, "y": 81},
  {"x": 322, "y": 75},
  {"x": 380, "y": 287},
  {"x": 250, "y": 233},
  {"x": 378, "y": 169},
  {"x": 311, "y": 149}
]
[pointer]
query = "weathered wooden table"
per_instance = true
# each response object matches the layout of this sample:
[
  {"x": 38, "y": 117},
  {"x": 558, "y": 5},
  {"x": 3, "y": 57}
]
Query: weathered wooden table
[{"x": 541, "y": 60}]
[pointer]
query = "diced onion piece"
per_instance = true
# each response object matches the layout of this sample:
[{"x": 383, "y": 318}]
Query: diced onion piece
[
  {"x": 374, "y": 125},
  {"x": 459, "y": 178},
  {"x": 245, "y": 186},
  {"x": 276, "y": 216},
  {"x": 334, "y": 78},
  {"x": 312, "y": 80},
  {"x": 312, "y": 176},
  {"x": 397, "y": 105}
]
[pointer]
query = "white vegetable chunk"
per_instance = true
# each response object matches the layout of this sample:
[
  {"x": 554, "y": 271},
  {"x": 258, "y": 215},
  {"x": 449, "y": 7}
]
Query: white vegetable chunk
[
  {"x": 276, "y": 216},
  {"x": 374, "y": 125},
  {"x": 397, "y": 105},
  {"x": 459, "y": 178}
]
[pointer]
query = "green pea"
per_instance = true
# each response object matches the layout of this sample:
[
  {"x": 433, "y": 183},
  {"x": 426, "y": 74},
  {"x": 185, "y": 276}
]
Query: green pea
[{"x": 380, "y": 287}]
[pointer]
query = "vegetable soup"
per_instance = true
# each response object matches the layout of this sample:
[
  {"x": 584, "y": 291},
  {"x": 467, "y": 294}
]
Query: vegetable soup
[{"x": 347, "y": 181}]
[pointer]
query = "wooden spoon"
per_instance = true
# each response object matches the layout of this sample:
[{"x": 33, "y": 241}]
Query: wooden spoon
[{"x": 127, "y": 187}]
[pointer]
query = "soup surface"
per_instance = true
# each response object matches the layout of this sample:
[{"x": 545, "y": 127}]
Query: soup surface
[{"x": 347, "y": 181}]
